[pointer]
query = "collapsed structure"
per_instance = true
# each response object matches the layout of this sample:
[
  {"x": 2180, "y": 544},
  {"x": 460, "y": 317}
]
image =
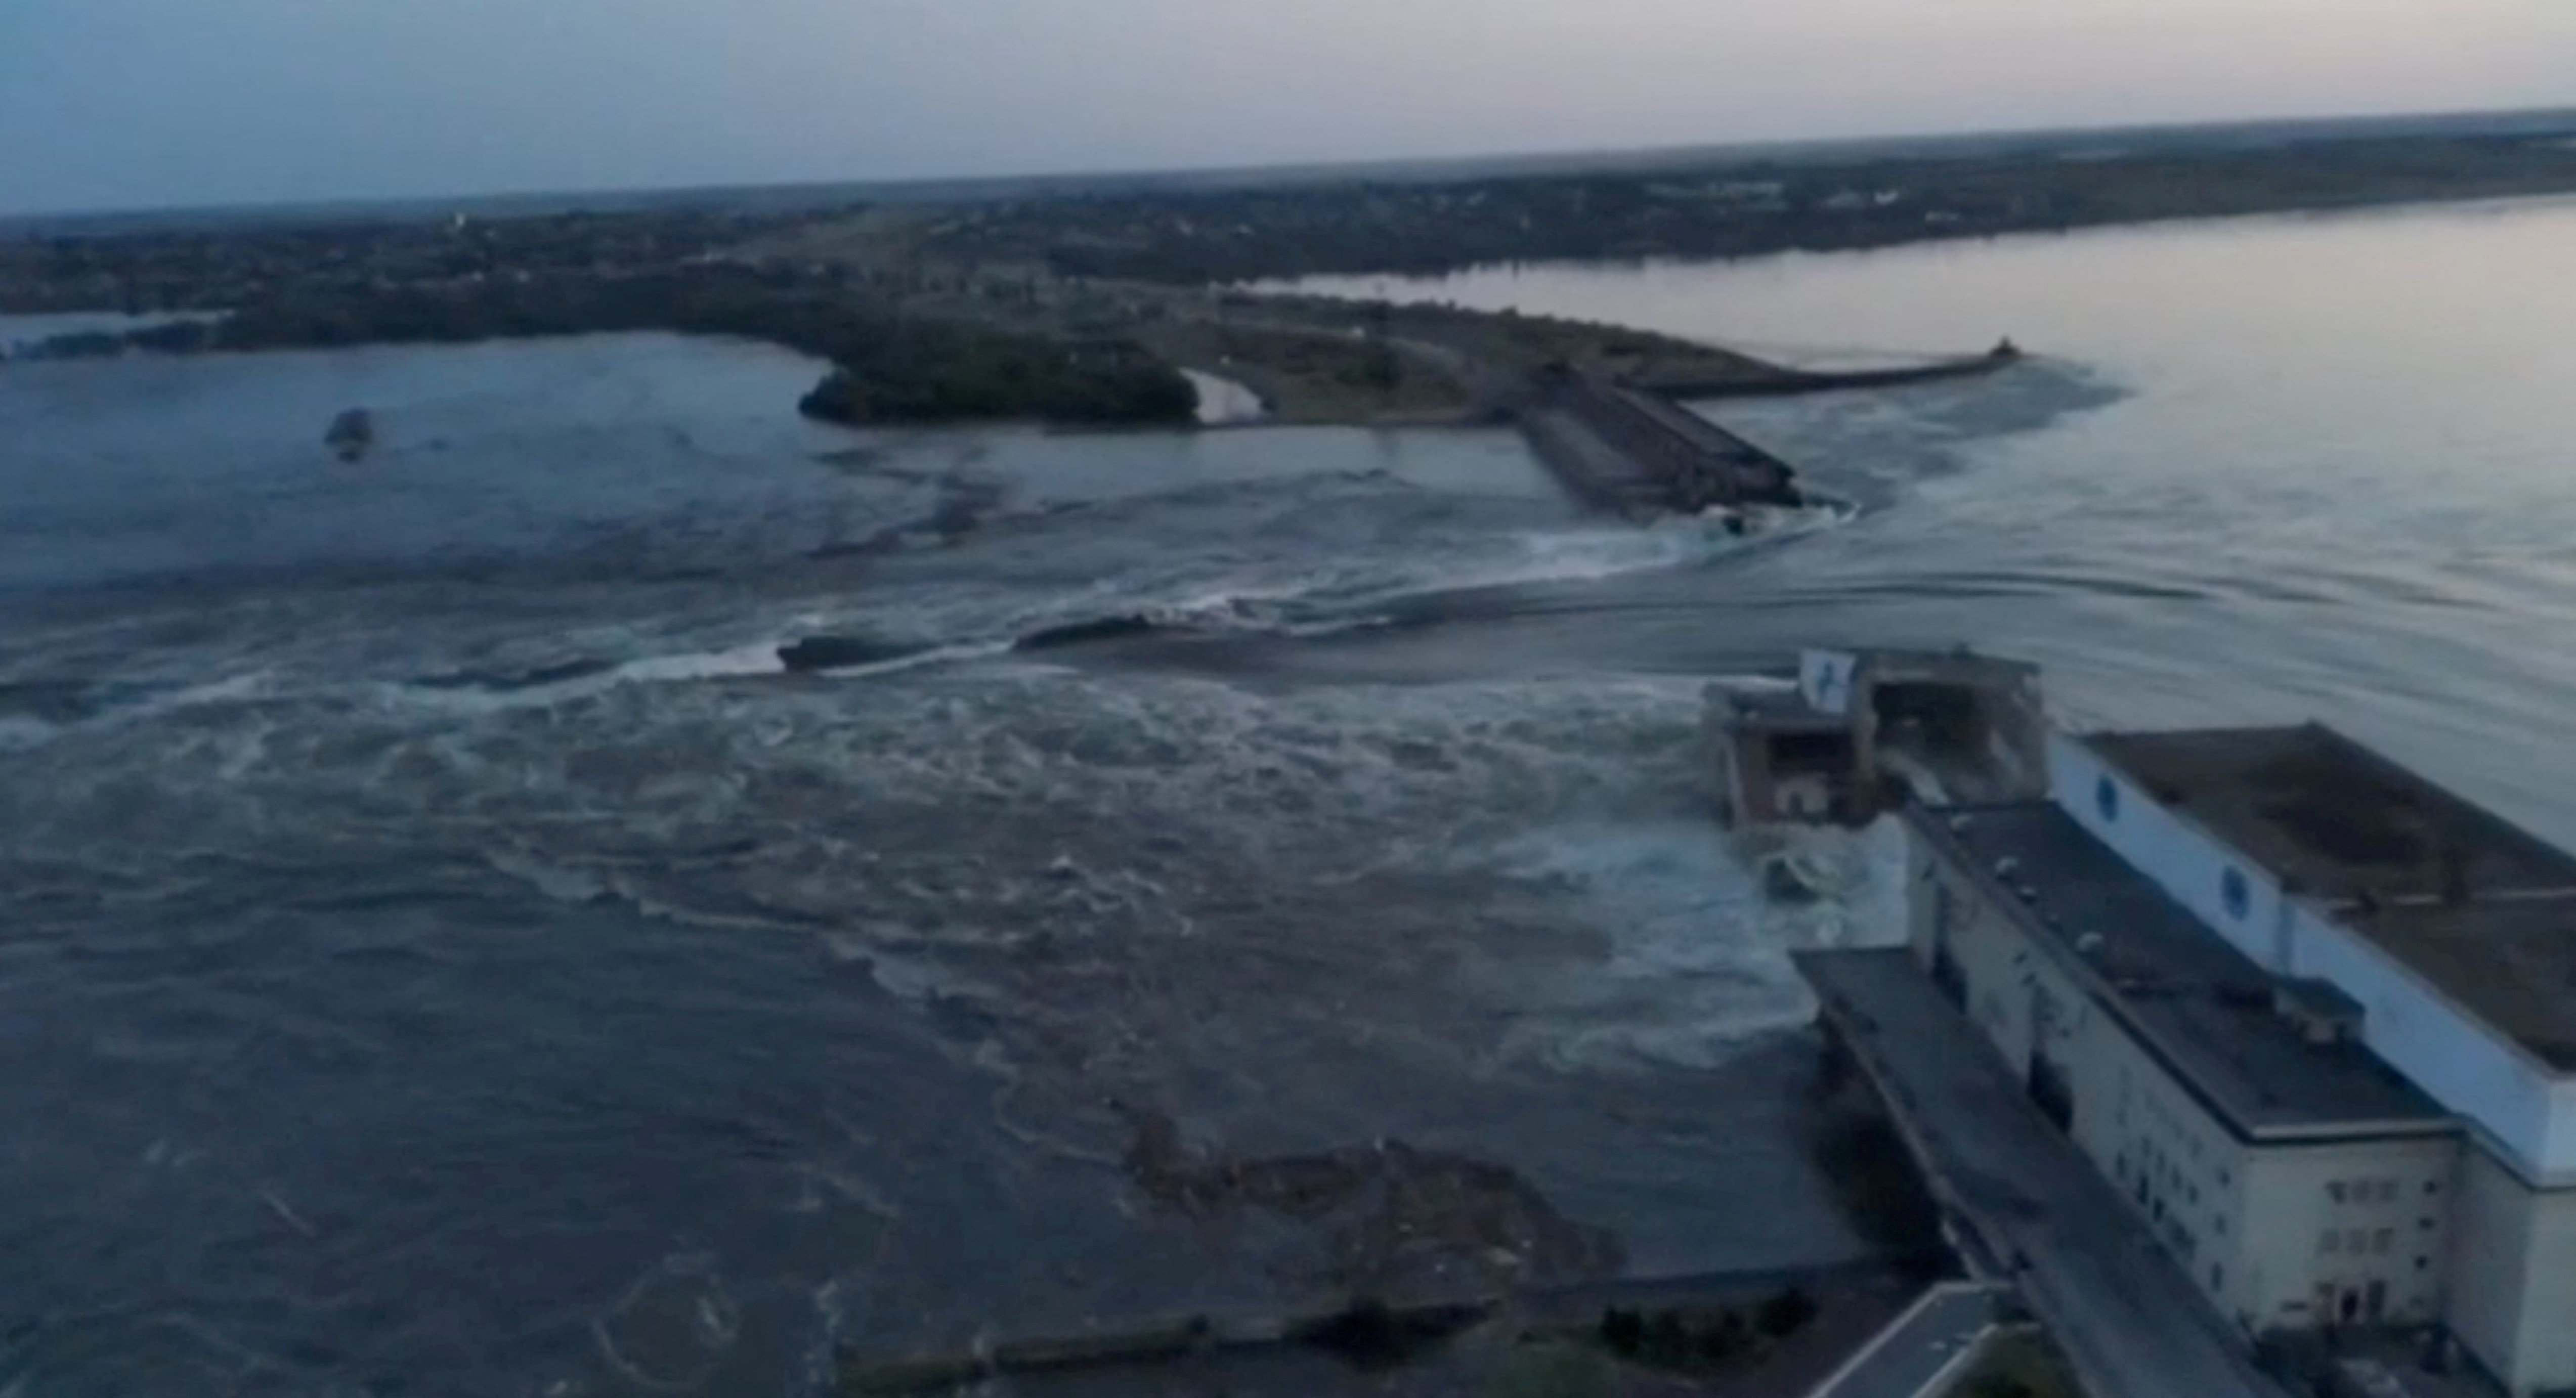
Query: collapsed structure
[{"x": 1865, "y": 730}]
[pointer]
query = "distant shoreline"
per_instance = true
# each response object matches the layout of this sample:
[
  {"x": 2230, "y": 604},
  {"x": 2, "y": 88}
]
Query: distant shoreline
[
  {"x": 1304, "y": 285},
  {"x": 809, "y": 196},
  {"x": 1085, "y": 311},
  {"x": 1725, "y": 212}
]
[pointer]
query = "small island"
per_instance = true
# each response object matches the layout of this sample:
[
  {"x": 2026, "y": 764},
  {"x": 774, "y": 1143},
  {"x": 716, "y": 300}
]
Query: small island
[{"x": 889, "y": 367}]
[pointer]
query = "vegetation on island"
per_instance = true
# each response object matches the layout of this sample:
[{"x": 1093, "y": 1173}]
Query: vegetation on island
[{"x": 889, "y": 367}]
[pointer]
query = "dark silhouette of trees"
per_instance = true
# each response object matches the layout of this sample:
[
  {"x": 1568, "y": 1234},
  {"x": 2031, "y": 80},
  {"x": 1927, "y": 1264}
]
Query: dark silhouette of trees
[{"x": 890, "y": 367}]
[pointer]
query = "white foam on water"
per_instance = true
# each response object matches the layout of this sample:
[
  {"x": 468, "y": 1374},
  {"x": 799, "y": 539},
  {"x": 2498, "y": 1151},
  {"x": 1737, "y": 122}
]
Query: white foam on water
[
  {"x": 758, "y": 658},
  {"x": 1261, "y": 586},
  {"x": 1223, "y": 401},
  {"x": 20, "y": 734},
  {"x": 1353, "y": 590},
  {"x": 942, "y": 655},
  {"x": 232, "y": 689},
  {"x": 555, "y": 881},
  {"x": 1592, "y": 555},
  {"x": 1695, "y": 959},
  {"x": 752, "y": 660}
]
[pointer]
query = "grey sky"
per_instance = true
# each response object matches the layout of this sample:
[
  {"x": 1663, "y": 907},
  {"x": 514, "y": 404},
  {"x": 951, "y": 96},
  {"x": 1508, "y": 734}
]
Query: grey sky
[{"x": 138, "y": 103}]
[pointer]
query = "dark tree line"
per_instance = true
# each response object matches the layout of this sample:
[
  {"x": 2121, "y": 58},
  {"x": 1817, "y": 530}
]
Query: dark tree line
[
  {"x": 1727, "y": 209},
  {"x": 889, "y": 367}
]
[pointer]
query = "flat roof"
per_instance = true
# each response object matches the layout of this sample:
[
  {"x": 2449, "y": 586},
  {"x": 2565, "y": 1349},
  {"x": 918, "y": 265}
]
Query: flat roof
[
  {"x": 2510, "y": 962},
  {"x": 1784, "y": 709},
  {"x": 1957, "y": 658},
  {"x": 2333, "y": 819},
  {"x": 2195, "y": 1003}
]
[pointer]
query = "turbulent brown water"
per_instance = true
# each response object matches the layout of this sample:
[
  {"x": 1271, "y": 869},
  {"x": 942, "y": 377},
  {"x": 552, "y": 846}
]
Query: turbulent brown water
[{"x": 443, "y": 948}]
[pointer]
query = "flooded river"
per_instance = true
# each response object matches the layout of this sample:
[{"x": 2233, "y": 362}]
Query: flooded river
[{"x": 444, "y": 946}]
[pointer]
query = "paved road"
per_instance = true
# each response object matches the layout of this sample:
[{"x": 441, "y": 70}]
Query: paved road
[
  {"x": 2133, "y": 1325},
  {"x": 1920, "y": 1347}
]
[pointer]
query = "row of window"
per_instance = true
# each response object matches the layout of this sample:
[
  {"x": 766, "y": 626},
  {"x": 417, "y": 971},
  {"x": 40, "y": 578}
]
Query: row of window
[
  {"x": 2357, "y": 1241},
  {"x": 2371, "y": 1191},
  {"x": 2155, "y": 1183},
  {"x": 2157, "y": 1113},
  {"x": 2155, "y": 1110},
  {"x": 2161, "y": 1171},
  {"x": 2181, "y": 1240}
]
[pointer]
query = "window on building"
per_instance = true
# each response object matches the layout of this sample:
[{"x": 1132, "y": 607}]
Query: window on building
[
  {"x": 2425, "y": 1222},
  {"x": 2235, "y": 894},
  {"x": 2432, "y": 1187},
  {"x": 2383, "y": 1240},
  {"x": 2388, "y": 1191},
  {"x": 2106, "y": 799},
  {"x": 2423, "y": 1264},
  {"x": 2335, "y": 1190},
  {"x": 2218, "y": 1226},
  {"x": 2332, "y": 1241},
  {"x": 2357, "y": 1241}
]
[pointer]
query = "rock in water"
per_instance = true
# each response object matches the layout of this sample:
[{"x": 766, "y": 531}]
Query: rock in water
[
  {"x": 1112, "y": 628},
  {"x": 352, "y": 434},
  {"x": 816, "y": 653}
]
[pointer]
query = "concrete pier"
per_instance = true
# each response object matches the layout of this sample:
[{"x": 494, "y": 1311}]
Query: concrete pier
[{"x": 1630, "y": 452}]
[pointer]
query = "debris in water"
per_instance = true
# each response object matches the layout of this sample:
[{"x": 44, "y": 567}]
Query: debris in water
[
  {"x": 1370, "y": 1336},
  {"x": 352, "y": 434},
  {"x": 292, "y": 1220},
  {"x": 1390, "y": 1219}
]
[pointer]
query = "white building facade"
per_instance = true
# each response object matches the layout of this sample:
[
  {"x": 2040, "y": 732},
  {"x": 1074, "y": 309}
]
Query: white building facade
[{"x": 2298, "y": 1004}]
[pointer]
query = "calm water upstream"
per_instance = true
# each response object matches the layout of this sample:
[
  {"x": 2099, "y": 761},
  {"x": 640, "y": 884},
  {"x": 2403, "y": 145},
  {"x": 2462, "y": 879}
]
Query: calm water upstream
[
  {"x": 444, "y": 953},
  {"x": 2335, "y": 474}
]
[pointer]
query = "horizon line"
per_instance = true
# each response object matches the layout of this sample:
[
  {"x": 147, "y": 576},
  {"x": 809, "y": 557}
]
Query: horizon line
[{"x": 1425, "y": 168}]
